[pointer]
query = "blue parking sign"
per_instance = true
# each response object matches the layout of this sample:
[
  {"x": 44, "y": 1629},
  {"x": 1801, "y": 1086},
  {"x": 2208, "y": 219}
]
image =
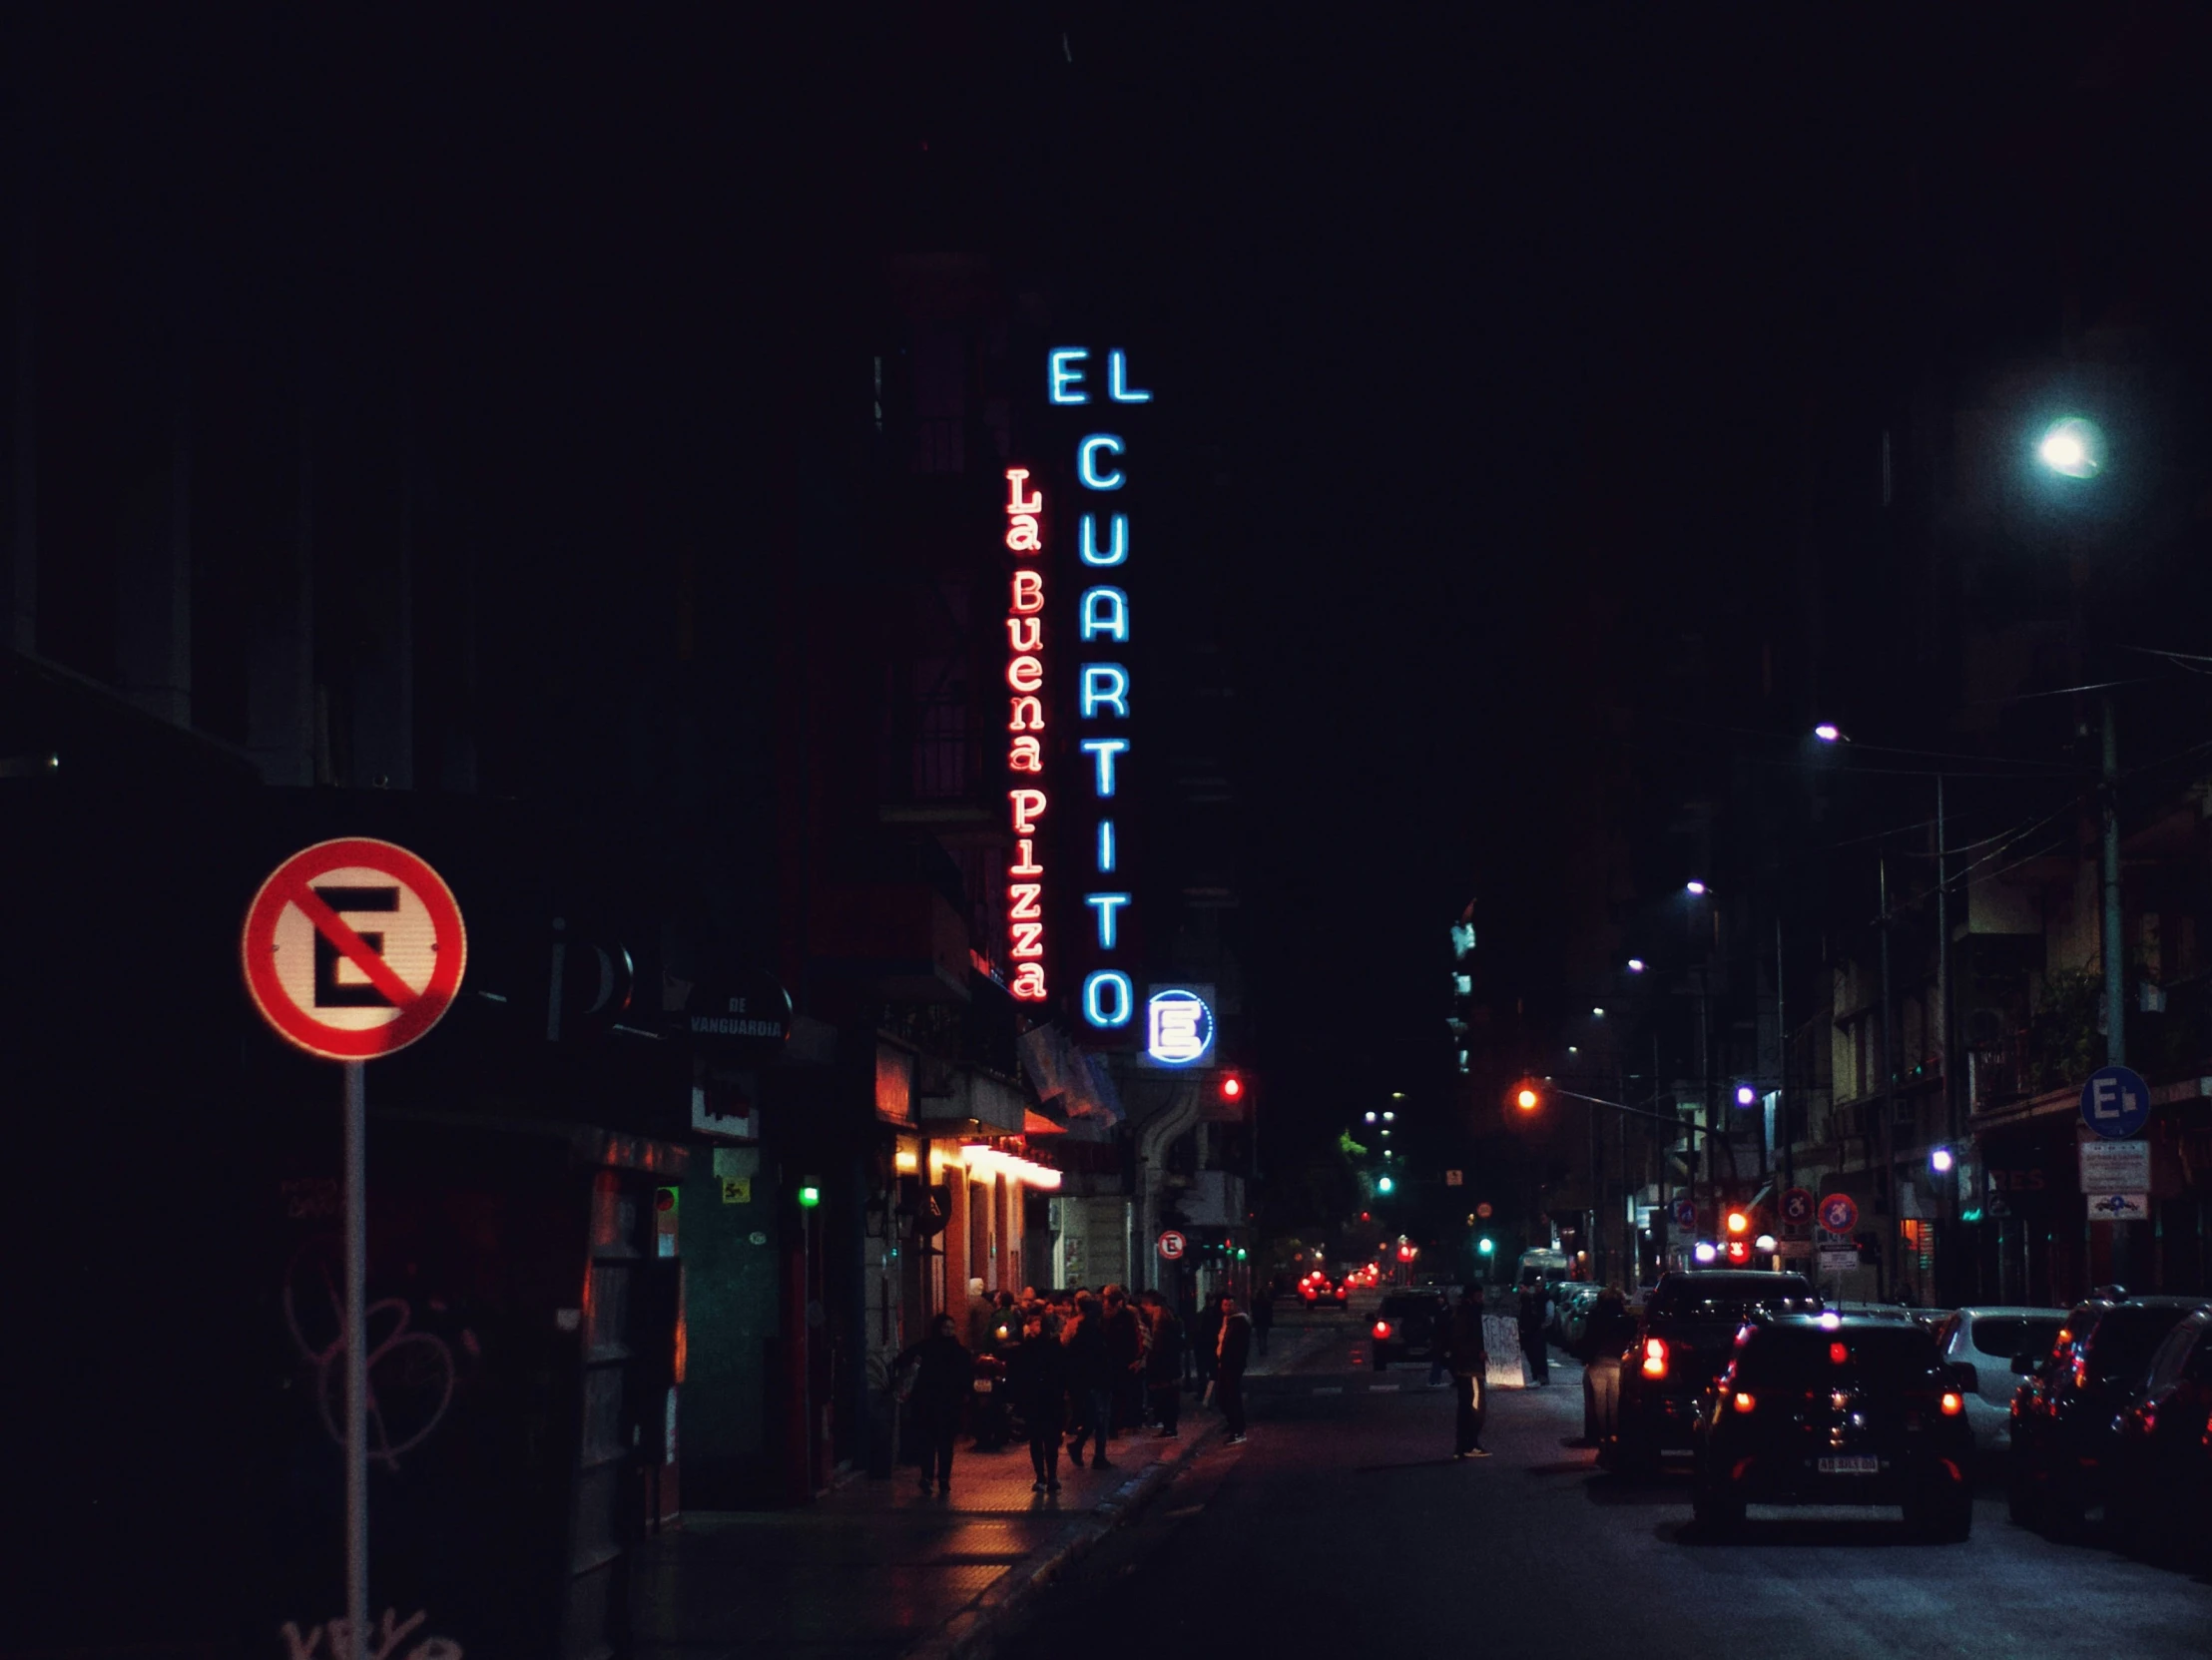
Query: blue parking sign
[{"x": 2116, "y": 1102}]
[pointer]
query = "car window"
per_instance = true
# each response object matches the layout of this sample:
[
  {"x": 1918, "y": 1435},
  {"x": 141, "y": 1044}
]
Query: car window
[
  {"x": 1729, "y": 1296},
  {"x": 2126, "y": 1337},
  {"x": 2001, "y": 1337},
  {"x": 2166, "y": 1363},
  {"x": 2199, "y": 1366},
  {"x": 1893, "y": 1357}
]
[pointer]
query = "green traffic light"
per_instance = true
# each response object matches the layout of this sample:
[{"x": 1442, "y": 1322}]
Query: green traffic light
[
  {"x": 1486, "y": 1246},
  {"x": 1384, "y": 1185},
  {"x": 1240, "y": 1252},
  {"x": 808, "y": 1198}
]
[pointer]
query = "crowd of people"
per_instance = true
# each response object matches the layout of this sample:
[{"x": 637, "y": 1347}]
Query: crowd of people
[{"x": 1082, "y": 1369}]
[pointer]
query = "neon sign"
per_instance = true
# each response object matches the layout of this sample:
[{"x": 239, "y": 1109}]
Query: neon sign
[
  {"x": 1027, "y": 803},
  {"x": 1179, "y": 1026},
  {"x": 1103, "y": 694}
]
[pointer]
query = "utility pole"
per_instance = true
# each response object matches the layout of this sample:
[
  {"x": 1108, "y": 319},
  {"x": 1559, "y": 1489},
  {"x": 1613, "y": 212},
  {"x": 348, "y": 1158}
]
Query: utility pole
[
  {"x": 1887, "y": 1142},
  {"x": 2115, "y": 966},
  {"x": 1946, "y": 1267}
]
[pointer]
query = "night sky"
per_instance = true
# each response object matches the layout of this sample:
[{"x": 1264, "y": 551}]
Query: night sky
[{"x": 1504, "y": 332}]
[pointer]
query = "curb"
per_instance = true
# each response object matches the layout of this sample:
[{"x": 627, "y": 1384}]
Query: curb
[{"x": 961, "y": 1637}]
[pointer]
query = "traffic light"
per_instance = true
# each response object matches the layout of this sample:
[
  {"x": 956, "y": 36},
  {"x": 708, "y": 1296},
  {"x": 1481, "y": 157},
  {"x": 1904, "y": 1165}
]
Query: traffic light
[
  {"x": 1739, "y": 1223},
  {"x": 1739, "y": 1252},
  {"x": 1486, "y": 1245},
  {"x": 1527, "y": 1098},
  {"x": 808, "y": 1196},
  {"x": 1232, "y": 1087},
  {"x": 1384, "y": 1185}
]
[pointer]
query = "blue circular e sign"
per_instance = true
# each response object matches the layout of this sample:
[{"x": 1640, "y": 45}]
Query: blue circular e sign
[{"x": 2116, "y": 1102}]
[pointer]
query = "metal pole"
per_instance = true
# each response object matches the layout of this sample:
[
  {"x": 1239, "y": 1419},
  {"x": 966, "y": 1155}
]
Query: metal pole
[
  {"x": 1947, "y": 1268},
  {"x": 356, "y": 1358},
  {"x": 2115, "y": 966},
  {"x": 1887, "y": 1147},
  {"x": 1787, "y": 1148}
]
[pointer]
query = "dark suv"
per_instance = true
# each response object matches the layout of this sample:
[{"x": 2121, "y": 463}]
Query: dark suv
[
  {"x": 1830, "y": 1409},
  {"x": 1687, "y": 1335},
  {"x": 2162, "y": 1487},
  {"x": 2068, "y": 1415},
  {"x": 1405, "y": 1327}
]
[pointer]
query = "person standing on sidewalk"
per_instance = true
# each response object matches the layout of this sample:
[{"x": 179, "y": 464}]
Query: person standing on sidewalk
[
  {"x": 1163, "y": 1364},
  {"x": 1233, "y": 1354},
  {"x": 1468, "y": 1357},
  {"x": 1091, "y": 1377},
  {"x": 1263, "y": 1316},
  {"x": 944, "y": 1377},
  {"x": 1037, "y": 1378},
  {"x": 1125, "y": 1353},
  {"x": 1534, "y": 1315}
]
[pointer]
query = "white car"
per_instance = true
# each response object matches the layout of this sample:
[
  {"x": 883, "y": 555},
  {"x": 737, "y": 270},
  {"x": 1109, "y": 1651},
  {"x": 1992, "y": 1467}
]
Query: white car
[{"x": 1986, "y": 1338}]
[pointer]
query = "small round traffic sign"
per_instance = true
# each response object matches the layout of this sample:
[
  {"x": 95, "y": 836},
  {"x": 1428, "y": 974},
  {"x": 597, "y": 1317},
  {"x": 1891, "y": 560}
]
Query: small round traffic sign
[
  {"x": 1685, "y": 1213},
  {"x": 353, "y": 949},
  {"x": 2116, "y": 1102},
  {"x": 1839, "y": 1214},
  {"x": 1797, "y": 1206},
  {"x": 1483, "y": 1210},
  {"x": 1172, "y": 1246}
]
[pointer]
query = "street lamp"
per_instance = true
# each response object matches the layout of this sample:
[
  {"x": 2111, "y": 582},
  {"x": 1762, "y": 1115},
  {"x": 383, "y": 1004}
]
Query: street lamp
[
  {"x": 1941, "y": 1161},
  {"x": 1599, "y": 1013},
  {"x": 1827, "y": 732},
  {"x": 1746, "y": 1096},
  {"x": 1696, "y": 889},
  {"x": 2072, "y": 448},
  {"x": 1635, "y": 965}
]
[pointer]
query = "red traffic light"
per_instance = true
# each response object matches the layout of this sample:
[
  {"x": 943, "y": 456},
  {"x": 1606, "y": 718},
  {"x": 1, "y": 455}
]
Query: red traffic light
[
  {"x": 1231, "y": 1086},
  {"x": 1526, "y": 1098},
  {"x": 1738, "y": 1250},
  {"x": 1739, "y": 1221}
]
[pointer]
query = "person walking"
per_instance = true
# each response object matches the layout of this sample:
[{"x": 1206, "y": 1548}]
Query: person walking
[
  {"x": 1163, "y": 1364},
  {"x": 1206, "y": 1350},
  {"x": 1533, "y": 1316},
  {"x": 1232, "y": 1352},
  {"x": 1263, "y": 1316},
  {"x": 1091, "y": 1379},
  {"x": 1037, "y": 1378},
  {"x": 1465, "y": 1352},
  {"x": 944, "y": 1377}
]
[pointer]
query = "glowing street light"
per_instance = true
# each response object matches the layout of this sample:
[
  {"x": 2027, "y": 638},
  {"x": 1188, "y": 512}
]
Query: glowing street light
[
  {"x": 1371, "y": 1118},
  {"x": 1599, "y": 1013},
  {"x": 1696, "y": 889},
  {"x": 1526, "y": 1098},
  {"x": 1827, "y": 732},
  {"x": 2072, "y": 448},
  {"x": 1635, "y": 965},
  {"x": 1941, "y": 1161},
  {"x": 1746, "y": 1096}
]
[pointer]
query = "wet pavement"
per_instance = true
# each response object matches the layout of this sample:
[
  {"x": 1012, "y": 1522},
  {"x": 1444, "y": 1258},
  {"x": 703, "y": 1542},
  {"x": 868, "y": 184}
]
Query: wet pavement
[{"x": 874, "y": 1568}]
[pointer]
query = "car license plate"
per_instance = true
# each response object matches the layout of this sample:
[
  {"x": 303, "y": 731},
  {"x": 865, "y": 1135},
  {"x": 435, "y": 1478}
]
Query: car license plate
[{"x": 1851, "y": 1465}]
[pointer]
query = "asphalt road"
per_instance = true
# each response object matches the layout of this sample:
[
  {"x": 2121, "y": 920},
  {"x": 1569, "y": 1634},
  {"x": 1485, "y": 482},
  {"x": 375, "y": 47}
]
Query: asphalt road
[{"x": 1343, "y": 1528}]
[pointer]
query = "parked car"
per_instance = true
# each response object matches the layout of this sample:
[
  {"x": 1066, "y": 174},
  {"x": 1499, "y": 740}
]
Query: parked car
[
  {"x": 1986, "y": 1338},
  {"x": 1684, "y": 1338},
  {"x": 1405, "y": 1327},
  {"x": 2161, "y": 1489},
  {"x": 1825, "y": 1409},
  {"x": 2066, "y": 1417}
]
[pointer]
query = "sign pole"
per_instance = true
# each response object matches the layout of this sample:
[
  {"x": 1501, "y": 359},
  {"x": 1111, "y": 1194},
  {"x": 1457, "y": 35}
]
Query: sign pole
[{"x": 356, "y": 1357}]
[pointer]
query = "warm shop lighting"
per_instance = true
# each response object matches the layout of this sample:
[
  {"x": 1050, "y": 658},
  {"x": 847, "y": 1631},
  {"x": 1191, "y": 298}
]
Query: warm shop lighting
[
  {"x": 905, "y": 1162},
  {"x": 984, "y": 1160}
]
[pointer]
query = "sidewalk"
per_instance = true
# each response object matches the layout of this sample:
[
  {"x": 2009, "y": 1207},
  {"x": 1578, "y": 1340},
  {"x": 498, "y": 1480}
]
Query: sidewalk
[{"x": 873, "y": 1570}]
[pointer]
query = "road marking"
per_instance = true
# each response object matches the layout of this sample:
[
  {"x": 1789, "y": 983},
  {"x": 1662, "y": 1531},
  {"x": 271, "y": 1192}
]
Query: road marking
[
  {"x": 1383, "y": 1388},
  {"x": 1328, "y": 1388}
]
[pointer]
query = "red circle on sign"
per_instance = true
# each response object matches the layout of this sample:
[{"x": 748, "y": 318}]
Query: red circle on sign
[
  {"x": 1797, "y": 1206},
  {"x": 1171, "y": 1244},
  {"x": 1839, "y": 1214},
  {"x": 288, "y": 888}
]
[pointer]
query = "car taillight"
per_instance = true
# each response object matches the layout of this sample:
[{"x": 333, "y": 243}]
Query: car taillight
[
  {"x": 1655, "y": 1356},
  {"x": 1838, "y": 1353},
  {"x": 1745, "y": 1402},
  {"x": 1953, "y": 1403},
  {"x": 1381, "y": 1328}
]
